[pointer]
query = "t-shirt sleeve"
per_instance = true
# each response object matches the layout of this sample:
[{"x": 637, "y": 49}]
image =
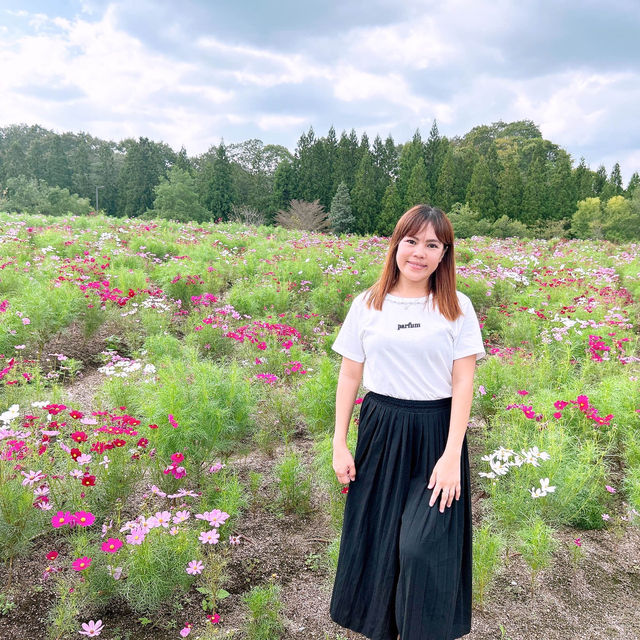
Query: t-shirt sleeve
[
  {"x": 348, "y": 343},
  {"x": 468, "y": 340}
]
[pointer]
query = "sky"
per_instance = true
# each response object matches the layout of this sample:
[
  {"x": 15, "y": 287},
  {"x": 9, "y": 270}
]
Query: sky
[{"x": 196, "y": 72}]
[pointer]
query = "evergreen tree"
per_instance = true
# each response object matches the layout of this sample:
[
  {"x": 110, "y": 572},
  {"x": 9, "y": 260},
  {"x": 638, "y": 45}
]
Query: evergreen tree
[
  {"x": 379, "y": 156},
  {"x": 57, "y": 170},
  {"x": 15, "y": 161},
  {"x": 182, "y": 160},
  {"x": 283, "y": 185},
  {"x": 303, "y": 166},
  {"x": 221, "y": 188},
  {"x": 433, "y": 156},
  {"x": 600, "y": 180},
  {"x": 81, "y": 181},
  {"x": 632, "y": 187},
  {"x": 322, "y": 173},
  {"x": 563, "y": 200},
  {"x": 583, "y": 181},
  {"x": 481, "y": 192},
  {"x": 409, "y": 156},
  {"x": 391, "y": 211},
  {"x": 391, "y": 158},
  {"x": 418, "y": 187},
  {"x": 346, "y": 160},
  {"x": 144, "y": 164},
  {"x": 510, "y": 190},
  {"x": 363, "y": 201},
  {"x": 107, "y": 178},
  {"x": 534, "y": 196},
  {"x": 615, "y": 180},
  {"x": 340, "y": 215},
  {"x": 445, "y": 194}
]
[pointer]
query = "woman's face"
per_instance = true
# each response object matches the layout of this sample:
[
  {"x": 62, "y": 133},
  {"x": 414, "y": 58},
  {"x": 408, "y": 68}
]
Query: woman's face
[{"x": 418, "y": 256}]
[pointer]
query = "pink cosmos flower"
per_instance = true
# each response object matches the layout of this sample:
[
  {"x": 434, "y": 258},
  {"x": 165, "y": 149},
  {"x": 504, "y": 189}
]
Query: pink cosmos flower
[
  {"x": 234, "y": 540},
  {"x": 32, "y": 477},
  {"x": 111, "y": 545},
  {"x": 157, "y": 491},
  {"x": 136, "y": 536},
  {"x": 186, "y": 630},
  {"x": 522, "y": 392},
  {"x": 61, "y": 518},
  {"x": 557, "y": 415},
  {"x": 172, "y": 421},
  {"x": 481, "y": 390},
  {"x": 609, "y": 489},
  {"x": 195, "y": 567},
  {"x": 163, "y": 518},
  {"x": 176, "y": 458},
  {"x": 214, "y": 618},
  {"x": 606, "y": 516},
  {"x": 578, "y": 542},
  {"x": 80, "y": 564},
  {"x": 181, "y": 516},
  {"x": 209, "y": 537},
  {"x": 91, "y": 629},
  {"x": 83, "y": 518}
]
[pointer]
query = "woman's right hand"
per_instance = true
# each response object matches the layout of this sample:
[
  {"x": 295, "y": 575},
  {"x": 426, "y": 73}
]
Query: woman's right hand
[{"x": 343, "y": 464}]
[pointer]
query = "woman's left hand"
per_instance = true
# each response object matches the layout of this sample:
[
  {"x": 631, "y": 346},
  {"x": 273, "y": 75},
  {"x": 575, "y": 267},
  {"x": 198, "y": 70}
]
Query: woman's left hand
[{"x": 445, "y": 481}]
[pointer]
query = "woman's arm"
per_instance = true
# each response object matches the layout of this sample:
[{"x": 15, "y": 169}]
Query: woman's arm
[
  {"x": 349, "y": 380},
  {"x": 445, "y": 479}
]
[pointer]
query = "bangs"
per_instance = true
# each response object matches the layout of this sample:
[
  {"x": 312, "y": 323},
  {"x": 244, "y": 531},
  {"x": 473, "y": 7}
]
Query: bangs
[{"x": 417, "y": 218}]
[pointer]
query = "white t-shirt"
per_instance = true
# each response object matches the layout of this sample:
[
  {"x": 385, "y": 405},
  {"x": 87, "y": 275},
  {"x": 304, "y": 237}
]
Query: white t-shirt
[{"x": 408, "y": 348}]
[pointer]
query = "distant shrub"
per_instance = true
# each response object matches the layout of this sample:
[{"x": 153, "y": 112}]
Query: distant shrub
[
  {"x": 308, "y": 216},
  {"x": 245, "y": 214}
]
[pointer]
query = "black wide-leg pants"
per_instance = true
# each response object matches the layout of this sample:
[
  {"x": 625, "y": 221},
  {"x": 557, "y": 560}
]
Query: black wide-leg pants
[{"x": 404, "y": 567}]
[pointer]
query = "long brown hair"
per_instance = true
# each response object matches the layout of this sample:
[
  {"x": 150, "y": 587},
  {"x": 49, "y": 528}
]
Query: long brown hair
[{"x": 442, "y": 282}]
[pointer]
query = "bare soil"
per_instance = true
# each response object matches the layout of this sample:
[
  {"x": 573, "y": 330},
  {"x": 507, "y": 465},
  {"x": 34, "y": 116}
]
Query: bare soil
[{"x": 597, "y": 600}]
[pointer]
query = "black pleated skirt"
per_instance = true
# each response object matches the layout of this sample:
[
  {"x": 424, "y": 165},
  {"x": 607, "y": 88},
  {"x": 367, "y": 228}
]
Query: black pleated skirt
[{"x": 404, "y": 567}]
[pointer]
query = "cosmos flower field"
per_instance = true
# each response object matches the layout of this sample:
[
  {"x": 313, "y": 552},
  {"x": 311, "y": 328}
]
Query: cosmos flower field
[{"x": 213, "y": 341}]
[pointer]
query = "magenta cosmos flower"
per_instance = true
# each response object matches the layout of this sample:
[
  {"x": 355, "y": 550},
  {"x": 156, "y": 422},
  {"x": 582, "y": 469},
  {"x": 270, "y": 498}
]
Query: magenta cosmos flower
[
  {"x": 111, "y": 545},
  {"x": 80, "y": 564},
  {"x": 83, "y": 518},
  {"x": 61, "y": 518},
  {"x": 91, "y": 629}
]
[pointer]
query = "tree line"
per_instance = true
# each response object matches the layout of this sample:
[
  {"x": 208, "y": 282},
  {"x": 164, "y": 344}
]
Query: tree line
[{"x": 503, "y": 175}]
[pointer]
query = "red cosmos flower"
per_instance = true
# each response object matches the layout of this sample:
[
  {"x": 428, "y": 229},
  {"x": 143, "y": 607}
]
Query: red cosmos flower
[
  {"x": 89, "y": 481},
  {"x": 153, "y": 426},
  {"x": 344, "y": 490},
  {"x": 119, "y": 443},
  {"x": 52, "y": 555},
  {"x": 75, "y": 453},
  {"x": 79, "y": 436},
  {"x": 214, "y": 618},
  {"x": 177, "y": 457},
  {"x": 143, "y": 442},
  {"x": 76, "y": 414}
]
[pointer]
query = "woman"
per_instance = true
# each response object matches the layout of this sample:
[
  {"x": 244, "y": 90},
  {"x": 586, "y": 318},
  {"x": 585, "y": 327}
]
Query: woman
[{"x": 404, "y": 569}]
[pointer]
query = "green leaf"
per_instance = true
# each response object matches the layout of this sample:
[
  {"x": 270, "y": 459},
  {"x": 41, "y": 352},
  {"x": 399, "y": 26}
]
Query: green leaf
[{"x": 221, "y": 594}]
